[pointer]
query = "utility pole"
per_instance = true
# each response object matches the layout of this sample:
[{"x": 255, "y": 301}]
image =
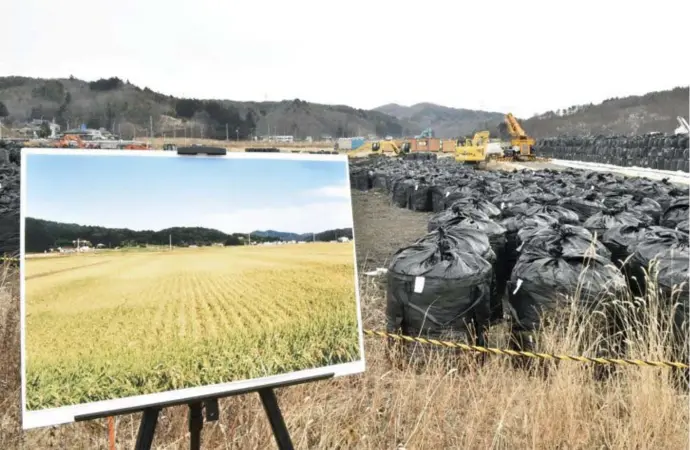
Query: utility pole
[
  {"x": 170, "y": 241},
  {"x": 237, "y": 131},
  {"x": 151, "y": 126},
  {"x": 249, "y": 236},
  {"x": 227, "y": 133}
]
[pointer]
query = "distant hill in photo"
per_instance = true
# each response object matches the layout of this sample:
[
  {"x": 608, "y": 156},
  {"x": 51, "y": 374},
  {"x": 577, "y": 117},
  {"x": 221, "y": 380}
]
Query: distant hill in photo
[
  {"x": 329, "y": 235},
  {"x": 42, "y": 235}
]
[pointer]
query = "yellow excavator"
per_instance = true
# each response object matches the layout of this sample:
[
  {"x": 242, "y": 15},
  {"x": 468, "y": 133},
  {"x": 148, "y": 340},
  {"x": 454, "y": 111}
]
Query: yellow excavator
[
  {"x": 473, "y": 151},
  {"x": 379, "y": 147},
  {"x": 521, "y": 143}
]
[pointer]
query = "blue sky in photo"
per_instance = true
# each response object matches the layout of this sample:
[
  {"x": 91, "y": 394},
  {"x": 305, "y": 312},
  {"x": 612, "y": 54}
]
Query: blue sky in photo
[{"x": 231, "y": 195}]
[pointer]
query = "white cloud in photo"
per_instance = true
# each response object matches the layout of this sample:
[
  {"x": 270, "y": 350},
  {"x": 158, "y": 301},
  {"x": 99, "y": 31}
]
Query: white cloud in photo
[
  {"x": 333, "y": 191},
  {"x": 312, "y": 217}
]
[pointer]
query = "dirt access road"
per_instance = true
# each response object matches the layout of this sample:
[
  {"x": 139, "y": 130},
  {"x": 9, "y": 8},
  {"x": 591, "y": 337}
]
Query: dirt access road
[{"x": 381, "y": 228}]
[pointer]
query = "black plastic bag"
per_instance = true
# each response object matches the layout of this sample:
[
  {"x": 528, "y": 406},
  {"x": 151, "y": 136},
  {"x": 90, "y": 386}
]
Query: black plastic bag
[
  {"x": 669, "y": 249},
  {"x": 419, "y": 196},
  {"x": 620, "y": 240},
  {"x": 585, "y": 207},
  {"x": 605, "y": 220},
  {"x": 669, "y": 196},
  {"x": 512, "y": 198},
  {"x": 434, "y": 290},
  {"x": 647, "y": 206},
  {"x": 542, "y": 285},
  {"x": 462, "y": 239},
  {"x": 359, "y": 179},
  {"x": 497, "y": 238},
  {"x": 379, "y": 180},
  {"x": 453, "y": 216},
  {"x": 561, "y": 214},
  {"x": 676, "y": 213},
  {"x": 9, "y": 230},
  {"x": 546, "y": 198},
  {"x": 516, "y": 210},
  {"x": 478, "y": 204},
  {"x": 473, "y": 240},
  {"x": 486, "y": 188},
  {"x": 568, "y": 241},
  {"x": 400, "y": 191}
]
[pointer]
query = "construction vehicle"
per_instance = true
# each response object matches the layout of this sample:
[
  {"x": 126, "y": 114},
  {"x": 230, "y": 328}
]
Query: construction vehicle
[
  {"x": 70, "y": 141},
  {"x": 473, "y": 151},
  {"x": 427, "y": 133},
  {"x": 381, "y": 147},
  {"x": 136, "y": 146},
  {"x": 521, "y": 143}
]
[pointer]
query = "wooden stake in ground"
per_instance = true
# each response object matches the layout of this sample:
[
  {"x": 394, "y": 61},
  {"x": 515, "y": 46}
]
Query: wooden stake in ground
[{"x": 111, "y": 433}]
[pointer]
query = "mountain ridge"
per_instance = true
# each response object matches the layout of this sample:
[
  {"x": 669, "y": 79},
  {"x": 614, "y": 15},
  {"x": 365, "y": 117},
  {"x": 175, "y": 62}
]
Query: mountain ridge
[
  {"x": 304, "y": 237},
  {"x": 42, "y": 234},
  {"x": 130, "y": 110}
]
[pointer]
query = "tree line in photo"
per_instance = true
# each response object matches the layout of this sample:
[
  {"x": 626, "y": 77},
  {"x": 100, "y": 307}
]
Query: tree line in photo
[{"x": 42, "y": 235}]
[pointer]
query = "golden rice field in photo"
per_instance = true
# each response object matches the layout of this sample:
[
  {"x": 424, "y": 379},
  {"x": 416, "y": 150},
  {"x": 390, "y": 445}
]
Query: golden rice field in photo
[{"x": 113, "y": 324}]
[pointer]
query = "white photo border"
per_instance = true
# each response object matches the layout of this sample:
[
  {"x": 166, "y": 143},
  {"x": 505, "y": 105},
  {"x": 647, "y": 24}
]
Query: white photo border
[{"x": 68, "y": 414}]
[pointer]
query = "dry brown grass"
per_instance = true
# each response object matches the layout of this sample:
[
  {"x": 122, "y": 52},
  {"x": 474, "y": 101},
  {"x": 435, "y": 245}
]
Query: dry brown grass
[{"x": 437, "y": 406}]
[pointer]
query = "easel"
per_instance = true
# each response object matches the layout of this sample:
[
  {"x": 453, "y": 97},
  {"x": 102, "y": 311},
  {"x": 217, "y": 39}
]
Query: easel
[
  {"x": 149, "y": 418},
  {"x": 197, "y": 406}
]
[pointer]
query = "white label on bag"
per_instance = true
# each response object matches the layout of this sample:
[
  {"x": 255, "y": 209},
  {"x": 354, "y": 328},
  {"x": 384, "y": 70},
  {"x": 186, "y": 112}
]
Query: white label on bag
[
  {"x": 447, "y": 193},
  {"x": 591, "y": 188},
  {"x": 416, "y": 186},
  {"x": 503, "y": 205},
  {"x": 418, "y": 285},
  {"x": 517, "y": 287},
  {"x": 520, "y": 247}
]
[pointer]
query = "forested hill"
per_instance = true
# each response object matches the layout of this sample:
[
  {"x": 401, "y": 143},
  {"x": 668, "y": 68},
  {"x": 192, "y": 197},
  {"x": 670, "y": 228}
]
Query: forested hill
[
  {"x": 329, "y": 235},
  {"x": 44, "y": 234},
  {"x": 131, "y": 111},
  {"x": 632, "y": 115}
]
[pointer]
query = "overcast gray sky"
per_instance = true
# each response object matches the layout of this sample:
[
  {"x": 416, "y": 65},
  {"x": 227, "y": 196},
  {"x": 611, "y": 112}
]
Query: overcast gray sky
[{"x": 525, "y": 56}]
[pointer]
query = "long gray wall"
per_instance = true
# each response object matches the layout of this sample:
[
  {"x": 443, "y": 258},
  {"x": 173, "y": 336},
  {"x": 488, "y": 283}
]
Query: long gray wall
[{"x": 661, "y": 152}]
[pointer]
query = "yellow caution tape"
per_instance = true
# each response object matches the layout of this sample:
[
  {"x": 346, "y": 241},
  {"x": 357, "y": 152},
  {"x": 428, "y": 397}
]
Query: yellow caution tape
[
  {"x": 506, "y": 352},
  {"x": 549, "y": 356}
]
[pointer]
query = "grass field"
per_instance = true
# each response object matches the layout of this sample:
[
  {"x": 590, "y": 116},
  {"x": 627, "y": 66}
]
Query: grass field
[{"x": 110, "y": 325}]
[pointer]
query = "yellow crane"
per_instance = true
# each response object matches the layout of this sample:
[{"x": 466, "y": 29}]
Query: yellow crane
[{"x": 521, "y": 142}]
